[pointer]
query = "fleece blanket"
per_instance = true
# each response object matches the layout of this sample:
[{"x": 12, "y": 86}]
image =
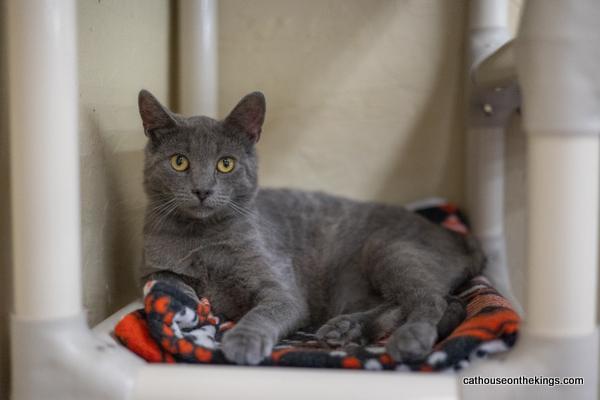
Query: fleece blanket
[{"x": 173, "y": 327}]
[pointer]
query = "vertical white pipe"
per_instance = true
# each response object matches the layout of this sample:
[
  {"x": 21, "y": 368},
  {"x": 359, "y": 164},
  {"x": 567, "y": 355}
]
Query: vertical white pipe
[
  {"x": 557, "y": 56},
  {"x": 486, "y": 180},
  {"x": 485, "y": 188},
  {"x": 44, "y": 158},
  {"x": 198, "y": 57},
  {"x": 563, "y": 234},
  {"x": 488, "y": 31}
]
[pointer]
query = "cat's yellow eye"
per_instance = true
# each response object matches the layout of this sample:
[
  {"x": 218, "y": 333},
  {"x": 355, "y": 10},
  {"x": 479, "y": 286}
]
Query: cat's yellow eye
[
  {"x": 225, "y": 165},
  {"x": 179, "y": 162}
]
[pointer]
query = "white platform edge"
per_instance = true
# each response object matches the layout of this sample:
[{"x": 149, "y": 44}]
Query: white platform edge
[
  {"x": 533, "y": 355},
  {"x": 230, "y": 382}
]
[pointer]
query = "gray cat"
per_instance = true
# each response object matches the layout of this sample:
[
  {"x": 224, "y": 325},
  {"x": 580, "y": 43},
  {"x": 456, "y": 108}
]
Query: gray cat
[{"x": 279, "y": 260}]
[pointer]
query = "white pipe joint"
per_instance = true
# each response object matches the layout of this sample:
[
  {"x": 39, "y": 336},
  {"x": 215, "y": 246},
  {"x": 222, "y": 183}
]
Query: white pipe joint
[
  {"x": 488, "y": 29},
  {"x": 557, "y": 56}
]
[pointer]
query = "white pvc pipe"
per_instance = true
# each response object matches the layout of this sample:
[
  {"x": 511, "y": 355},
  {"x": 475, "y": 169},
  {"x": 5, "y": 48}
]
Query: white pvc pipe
[
  {"x": 488, "y": 21},
  {"x": 488, "y": 31},
  {"x": 486, "y": 179},
  {"x": 198, "y": 57},
  {"x": 557, "y": 55},
  {"x": 488, "y": 14},
  {"x": 44, "y": 158},
  {"x": 563, "y": 234}
]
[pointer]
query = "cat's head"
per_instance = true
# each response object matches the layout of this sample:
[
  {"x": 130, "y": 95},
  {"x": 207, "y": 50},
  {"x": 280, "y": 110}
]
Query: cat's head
[{"x": 199, "y": 167}]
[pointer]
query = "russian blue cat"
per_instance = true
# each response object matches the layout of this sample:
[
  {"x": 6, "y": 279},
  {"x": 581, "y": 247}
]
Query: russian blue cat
[{"x": 277, "y": 260}]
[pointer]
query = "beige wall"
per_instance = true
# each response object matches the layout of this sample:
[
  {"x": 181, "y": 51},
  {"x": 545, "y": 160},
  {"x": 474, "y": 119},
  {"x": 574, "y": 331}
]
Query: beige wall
[
  {"x": 364, "y": 97},
  {"x": 123, "y": 47}
]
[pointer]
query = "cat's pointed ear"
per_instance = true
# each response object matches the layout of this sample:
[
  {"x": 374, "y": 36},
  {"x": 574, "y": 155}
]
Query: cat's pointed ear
[
  {"x": 154, "y": 115},
  {"x": 248, "y": 115}
]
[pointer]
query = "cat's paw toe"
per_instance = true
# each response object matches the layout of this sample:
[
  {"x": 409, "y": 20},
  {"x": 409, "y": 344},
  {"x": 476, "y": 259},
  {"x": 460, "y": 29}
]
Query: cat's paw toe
[
  {"x": 340, "y": 331},
  {"x": 411, "y": 342},
  {"x": 247, "y": 347}
]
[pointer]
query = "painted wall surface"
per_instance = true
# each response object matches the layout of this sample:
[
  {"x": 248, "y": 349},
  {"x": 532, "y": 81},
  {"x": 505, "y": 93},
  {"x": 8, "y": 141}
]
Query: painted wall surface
[
  {"x": 364, "y": 98},
  {"x": 123, "y": 47}
]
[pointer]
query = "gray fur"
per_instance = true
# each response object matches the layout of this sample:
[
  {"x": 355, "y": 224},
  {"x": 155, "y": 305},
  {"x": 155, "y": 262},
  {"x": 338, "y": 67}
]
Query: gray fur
[{"x": 279, "y": 260}]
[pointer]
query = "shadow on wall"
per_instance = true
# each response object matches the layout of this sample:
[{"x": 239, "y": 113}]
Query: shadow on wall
[
  {"x": 122, "y": 47},
  {"x": 5, "y": 227},
  {"x": 364, "y": 98},
  {"x": 111, "y": 221}
]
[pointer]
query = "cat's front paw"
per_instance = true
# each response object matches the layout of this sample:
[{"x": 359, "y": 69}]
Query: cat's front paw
[{"x": 244, "y": 346}]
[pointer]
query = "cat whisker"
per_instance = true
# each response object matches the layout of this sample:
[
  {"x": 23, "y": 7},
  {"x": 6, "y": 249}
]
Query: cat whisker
[
  {"x": 243, "y": 210},
  {"x": 157, "y": 215},
  {"x": 161, "y": 220}
]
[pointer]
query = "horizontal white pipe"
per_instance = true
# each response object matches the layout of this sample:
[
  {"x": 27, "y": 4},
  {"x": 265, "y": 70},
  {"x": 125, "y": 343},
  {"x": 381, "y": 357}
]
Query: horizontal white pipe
[
  {"x": 198, "y": 57},
  {"x": 226, "y": 382},
  {"x": 563, "y": 234},
  {"x": 44, "y": 158}
]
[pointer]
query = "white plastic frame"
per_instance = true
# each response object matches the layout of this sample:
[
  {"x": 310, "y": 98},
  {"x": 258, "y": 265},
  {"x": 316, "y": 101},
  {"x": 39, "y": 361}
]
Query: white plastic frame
[{"x": 56, "y": 356}]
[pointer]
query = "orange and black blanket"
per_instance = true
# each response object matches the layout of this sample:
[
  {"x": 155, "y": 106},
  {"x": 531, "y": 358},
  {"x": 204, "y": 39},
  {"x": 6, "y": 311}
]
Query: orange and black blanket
[{"x": 173, "y": 327}]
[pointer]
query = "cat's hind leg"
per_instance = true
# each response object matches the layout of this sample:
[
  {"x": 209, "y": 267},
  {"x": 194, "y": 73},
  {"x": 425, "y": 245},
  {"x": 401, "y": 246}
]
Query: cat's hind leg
[
  {"x": 414, "y": 339},
  {"x": 424, "y": 326},
  {"x": 369, "y": 326},
  {"x": 419, "y": 283}
]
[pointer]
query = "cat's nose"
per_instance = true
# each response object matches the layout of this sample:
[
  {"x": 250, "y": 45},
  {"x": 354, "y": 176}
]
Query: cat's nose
[{"x": 202, "y": 194}]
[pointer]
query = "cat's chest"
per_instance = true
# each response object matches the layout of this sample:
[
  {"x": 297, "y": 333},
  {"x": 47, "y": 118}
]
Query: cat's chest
[
  {"x": 222, "y": 282},
  {"x": 213, "y": 265},
  {"x": 195, "y": 257}
]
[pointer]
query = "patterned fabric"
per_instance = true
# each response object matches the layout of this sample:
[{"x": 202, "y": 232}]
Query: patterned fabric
[{"x": 173, "y": 327}]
